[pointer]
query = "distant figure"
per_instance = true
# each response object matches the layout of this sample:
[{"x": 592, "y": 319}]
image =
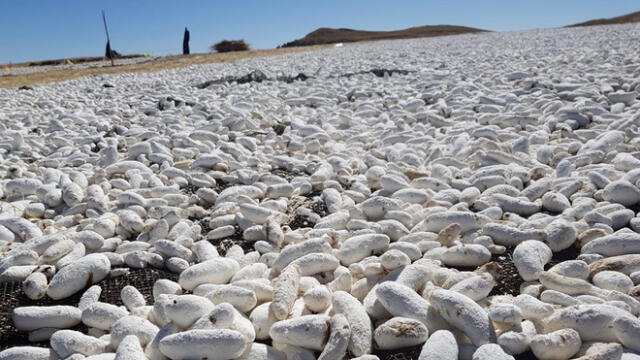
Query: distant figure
[
  {"x": 185, "y": 42},
  {"x": 108, "y": 52}
]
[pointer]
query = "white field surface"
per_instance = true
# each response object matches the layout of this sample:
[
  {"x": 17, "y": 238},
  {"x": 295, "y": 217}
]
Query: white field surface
[
  {"x": 522, "y": 143},
  {"x": 21, "y": 70}
]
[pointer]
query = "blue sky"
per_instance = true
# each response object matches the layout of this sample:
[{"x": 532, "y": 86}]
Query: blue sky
[{"x": 48, "y": 29}]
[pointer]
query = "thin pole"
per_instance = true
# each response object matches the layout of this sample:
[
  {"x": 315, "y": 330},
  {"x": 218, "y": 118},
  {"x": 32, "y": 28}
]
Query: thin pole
[
  {"x": 104, "y": 21},
  {"x": 106, "y": 30}
]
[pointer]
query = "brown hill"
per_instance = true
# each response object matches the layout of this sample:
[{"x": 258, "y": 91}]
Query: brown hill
[
  {"x": 329, "y": 35},
  {"x": 624, "y": 19}
]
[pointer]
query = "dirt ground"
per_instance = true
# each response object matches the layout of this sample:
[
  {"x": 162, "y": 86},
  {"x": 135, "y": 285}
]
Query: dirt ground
[{"x": 164, "y": 63}]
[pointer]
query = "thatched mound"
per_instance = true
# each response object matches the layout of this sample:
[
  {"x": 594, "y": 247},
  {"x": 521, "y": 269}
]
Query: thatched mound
[{"x": 230, "y": 45}]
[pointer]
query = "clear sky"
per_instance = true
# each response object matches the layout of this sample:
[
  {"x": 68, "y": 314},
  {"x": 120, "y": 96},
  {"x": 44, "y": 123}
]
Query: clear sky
[{"x": 49, "y": 29}]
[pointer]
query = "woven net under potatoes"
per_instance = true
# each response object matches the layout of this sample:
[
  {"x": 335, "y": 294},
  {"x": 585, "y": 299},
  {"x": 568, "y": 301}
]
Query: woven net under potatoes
[
  {"x": 413, "y": 352},
  {"x": 409, "y": 353},
  {"x": 12, "y": 296}
]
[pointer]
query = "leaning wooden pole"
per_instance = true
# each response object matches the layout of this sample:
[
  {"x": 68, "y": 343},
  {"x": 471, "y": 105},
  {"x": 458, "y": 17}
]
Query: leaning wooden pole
[{"x": 109, "y": 53}]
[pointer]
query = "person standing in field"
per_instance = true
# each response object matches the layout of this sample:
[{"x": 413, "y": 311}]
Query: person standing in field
[{"x": 185, "y": 42}]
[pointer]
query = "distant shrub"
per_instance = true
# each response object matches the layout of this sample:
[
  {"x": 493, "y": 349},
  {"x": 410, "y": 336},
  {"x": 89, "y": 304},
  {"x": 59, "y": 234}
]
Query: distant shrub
[{"x": 230, "y": 45}]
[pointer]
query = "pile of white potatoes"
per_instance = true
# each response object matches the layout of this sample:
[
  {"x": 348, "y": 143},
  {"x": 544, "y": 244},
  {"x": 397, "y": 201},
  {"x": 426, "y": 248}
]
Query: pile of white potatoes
[{"x": 522, "y": 143}]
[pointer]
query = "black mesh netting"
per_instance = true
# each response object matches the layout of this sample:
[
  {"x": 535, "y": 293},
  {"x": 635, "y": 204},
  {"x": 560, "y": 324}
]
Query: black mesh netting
[
  {"x": 409, "y": 353},
  {"x": 12, "y": 296},
  {"x": 510, "y": 280},
  {"x": 412, "y": 353},
  {"x": 509, "y": 284}
]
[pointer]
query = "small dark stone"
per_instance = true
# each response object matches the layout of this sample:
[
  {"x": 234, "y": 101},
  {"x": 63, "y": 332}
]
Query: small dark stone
[
  {"x": 189, "y": 189},
  {"x": 286, "y": 174},
  {"x": 378, "y": 72},
  {"x": 299, "y": 222},
  {"x": 279, "y": 129},
  {"x": 290, "y": 79},
  {"x": 319, "y": 207},
  {"x": 254, "y": 76}
]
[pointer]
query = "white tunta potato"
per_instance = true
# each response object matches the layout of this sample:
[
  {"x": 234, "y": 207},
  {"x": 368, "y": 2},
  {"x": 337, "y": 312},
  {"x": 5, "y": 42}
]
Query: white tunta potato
[
  {"x": 594, "y": 322},
  {"x": 102, "y": 315},
  {"x": 464, "y": 314},
  {"x": 619, "y": 243},
  {"x": 362, "y": 189},
  {"x": 475, "y": 287},
  {"x": 214, "y": 271},
  {"x": 399, "y": 332},
  {"x": 218, "y": 344},
  {"x": 318, "y": 298},
  {"x": 359, "y": 322},
  {"x": 285, "y": 292},
  {"x": 262, "y": 319},
  {"x": 26, "y": 353},
  {"x": 221, "y": 317},
  {"x": 529, "y": 257},
  {"x": 565, "y": 284},
  {"x": 42, "y": 334},
  {"x": 143, "y": 329},
  {"x": 165, "y": 286},
  {"x": 517, "y": 339},
  {"x": 560, "y": 344},
  {"x": 28, "y": 318},
  {"x": 184, "y": 310},
  {"x": 315, "y": 263},
  {"x": 258, "y": 351},
  {"x": 242, "y": 299},
  {"x": 69, "y": 342},
  {"x": 627, "y": 331},
  {"x": 358, "y": 247},
  {"x": 400, "y": 300},
  {"x": 441, "y": 345},
  {"x": 261, "y": 288},
  {"x": 505, "y": 314},
  {"x": 339, "y": 338},
  {"x": 75, "y": 276},
  {"x": 621, "y": 192},
  {"x": 152, "y": 350},
  {"x": 491, "y": 352},
  {"x": 129, "y": 349},
  {"x": 308, "y": 331},
  {"x": 132, "y": 298},
  {"x": 466, "y": 255},
  {"x": 35, "y": 285},
  {"x": 466, "y": 220}
]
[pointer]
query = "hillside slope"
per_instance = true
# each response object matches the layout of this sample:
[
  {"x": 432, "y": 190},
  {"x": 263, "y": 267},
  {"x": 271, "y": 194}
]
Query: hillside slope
[
  {"x": 624, "y": 19},
  {"x": 329, "y": 35}
]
